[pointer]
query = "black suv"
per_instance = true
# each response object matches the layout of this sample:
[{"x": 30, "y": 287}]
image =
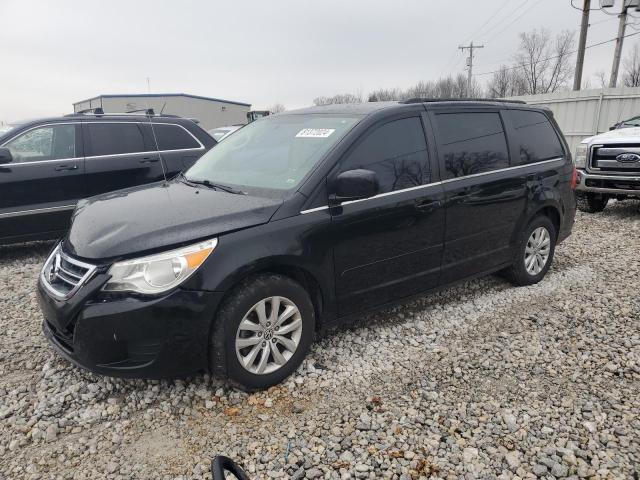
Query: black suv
[
  {"x": 298, "y": 221},
  {"x": 47, "y": 165}
]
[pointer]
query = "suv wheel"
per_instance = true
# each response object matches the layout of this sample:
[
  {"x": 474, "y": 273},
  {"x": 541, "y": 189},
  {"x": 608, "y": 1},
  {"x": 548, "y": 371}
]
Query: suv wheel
[
  {"x": 534, "y": 252},
  {"x": 262, "y": 332},
  {"x": 591, "y": 202}
]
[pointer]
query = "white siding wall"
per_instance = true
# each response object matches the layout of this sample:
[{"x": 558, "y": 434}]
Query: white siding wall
[
  {"x": 584, "y": 113},
  {"x": 210, "y": 113}
]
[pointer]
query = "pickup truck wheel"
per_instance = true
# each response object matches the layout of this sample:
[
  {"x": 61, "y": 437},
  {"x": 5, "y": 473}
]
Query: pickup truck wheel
[
  {"x": 262, "y": 332},
  {"x": 534, "y": 252},
  {"x": 591, "y": 202}
]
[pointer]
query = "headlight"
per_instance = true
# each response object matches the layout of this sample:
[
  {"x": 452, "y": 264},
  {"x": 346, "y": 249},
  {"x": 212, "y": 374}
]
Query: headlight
[
  {"x": 580, "y": 159},
  {"x": 158, "y": 273}
]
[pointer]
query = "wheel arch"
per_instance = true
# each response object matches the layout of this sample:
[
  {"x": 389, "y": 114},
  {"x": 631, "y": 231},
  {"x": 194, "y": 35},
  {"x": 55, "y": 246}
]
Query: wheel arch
[
  {"x": 553, "y": 213},
  {"x": 549, "y": 209},
  {"x": 319, "y": 291}
]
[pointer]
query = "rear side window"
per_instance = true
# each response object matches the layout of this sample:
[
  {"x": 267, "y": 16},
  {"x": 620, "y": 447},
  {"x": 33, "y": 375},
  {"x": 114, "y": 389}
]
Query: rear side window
[
  {"x": 534, "y": 138},
  {"x": 115, "y": 138},
  {"x": 471, "y": 143},
  {"x": 397, "y": 152},
  {"x": 173, "y": 137}
]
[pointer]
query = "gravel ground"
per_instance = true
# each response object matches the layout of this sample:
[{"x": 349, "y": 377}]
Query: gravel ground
[{"x": 479, "y": 381}]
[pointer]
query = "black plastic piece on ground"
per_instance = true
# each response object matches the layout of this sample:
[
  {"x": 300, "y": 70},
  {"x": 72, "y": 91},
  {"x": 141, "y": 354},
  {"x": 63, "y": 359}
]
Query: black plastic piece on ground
[{"x": 221, "y": 464}]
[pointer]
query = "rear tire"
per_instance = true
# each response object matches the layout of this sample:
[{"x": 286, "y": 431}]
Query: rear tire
[
  {"x": 270, "y": 344},
  {"x": 591, "y": 202},
  {"x": 534, "y": 252}
]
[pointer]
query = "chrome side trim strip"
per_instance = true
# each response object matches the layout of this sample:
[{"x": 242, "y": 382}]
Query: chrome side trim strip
[
  {"x": 449, "y": 180},
  {"x": 21, "y": 164},
  {"x": 516, "y": 167},
  {"x": 150, "y": 152},
  {"x": 37, "y": 211},
  {"x": 395, "y": 192},
  {"x": 317, "y": 209}
]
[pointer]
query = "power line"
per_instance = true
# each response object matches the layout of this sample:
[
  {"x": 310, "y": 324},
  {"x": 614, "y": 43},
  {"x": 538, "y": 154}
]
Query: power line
[
  {"x": 452, "y": 63},
  {"x": 513, "y": 21},
  {"x": 591, "y": 24},
  {"x": 488, "y": 20},
  {"x": 557, "y": 56},
  {"x": 505, "y": 18}
]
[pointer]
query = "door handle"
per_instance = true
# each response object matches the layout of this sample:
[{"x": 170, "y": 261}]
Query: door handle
[
  {"x": 62, "y": 168},
  {"x": 148, "y": 160},
  {"x": 428, "y": 205}
]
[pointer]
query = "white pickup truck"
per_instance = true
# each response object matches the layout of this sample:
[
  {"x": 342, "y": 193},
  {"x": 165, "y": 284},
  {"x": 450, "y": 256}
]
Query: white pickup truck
[{"x": 608, "y": 166}]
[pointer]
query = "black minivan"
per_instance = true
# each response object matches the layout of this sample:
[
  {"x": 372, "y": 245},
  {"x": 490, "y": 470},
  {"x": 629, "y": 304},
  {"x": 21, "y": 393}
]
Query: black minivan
[
  {"x": 47, "y": 165},
  {"x": 298, "y": 221}
]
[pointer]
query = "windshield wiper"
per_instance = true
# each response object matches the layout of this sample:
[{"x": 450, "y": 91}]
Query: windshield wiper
[{"x": 213, "y": 185}]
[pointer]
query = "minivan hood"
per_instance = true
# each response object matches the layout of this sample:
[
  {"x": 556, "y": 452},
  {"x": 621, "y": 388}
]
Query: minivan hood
[{"x": 159, "y": 216}]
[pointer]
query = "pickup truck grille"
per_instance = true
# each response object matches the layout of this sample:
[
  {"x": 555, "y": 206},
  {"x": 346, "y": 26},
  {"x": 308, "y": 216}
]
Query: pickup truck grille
[
  {"x": 617, "y": 158},
  {"x": 63, "y": 275}
]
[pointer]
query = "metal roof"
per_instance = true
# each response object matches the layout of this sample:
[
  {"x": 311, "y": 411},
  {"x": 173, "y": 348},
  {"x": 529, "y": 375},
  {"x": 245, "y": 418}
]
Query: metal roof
[{"x": 153, "y": 95}]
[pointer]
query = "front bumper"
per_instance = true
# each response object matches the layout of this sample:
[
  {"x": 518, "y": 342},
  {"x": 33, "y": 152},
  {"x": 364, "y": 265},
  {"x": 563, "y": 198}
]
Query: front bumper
[
  {"x": 609, "y": 184},
  {"x": 160, "y": 337}
]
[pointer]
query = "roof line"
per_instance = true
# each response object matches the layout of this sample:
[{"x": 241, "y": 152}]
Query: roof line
[{"x": 164, "y": 95}]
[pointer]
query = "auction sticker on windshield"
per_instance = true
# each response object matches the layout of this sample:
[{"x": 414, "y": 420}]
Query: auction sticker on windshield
[{"x": 315, "y": 132}]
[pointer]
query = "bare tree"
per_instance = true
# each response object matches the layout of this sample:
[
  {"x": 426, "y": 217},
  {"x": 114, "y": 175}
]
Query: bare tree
[
  {"x": 506, "y": 82},
  {"x": 631, "y": 66},
  {"x": 277, "y": 108},
  {"x": 386, "y": 94},
  {"x": 421, "y": 89},
  {"x": 499, "y": 85},
  {"x": 545, "y": 65},
  {"x": 601, "y": 78},
  {"x": 340, "y": 98}
]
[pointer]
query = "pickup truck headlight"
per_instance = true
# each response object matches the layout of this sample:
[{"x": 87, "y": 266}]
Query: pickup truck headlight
[
  {"x": 160, "y": 272},
  {"x": 580, "y": 159}
]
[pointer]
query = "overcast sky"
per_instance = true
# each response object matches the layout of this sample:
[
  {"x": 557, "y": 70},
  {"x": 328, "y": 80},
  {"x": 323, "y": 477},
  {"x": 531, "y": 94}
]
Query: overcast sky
[{"x": 54, "y": 53}]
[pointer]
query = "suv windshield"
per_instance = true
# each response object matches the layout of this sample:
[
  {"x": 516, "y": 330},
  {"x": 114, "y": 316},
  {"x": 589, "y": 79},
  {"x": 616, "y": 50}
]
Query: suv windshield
[
  {"x": 271, "y": 154},
  {"x": 632, "y": 122}
]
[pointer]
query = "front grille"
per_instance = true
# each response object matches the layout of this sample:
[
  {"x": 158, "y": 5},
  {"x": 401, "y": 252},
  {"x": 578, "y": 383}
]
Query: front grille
[
  {"x": 63, "y": 275},
  {"x": 618, "y": 158}
]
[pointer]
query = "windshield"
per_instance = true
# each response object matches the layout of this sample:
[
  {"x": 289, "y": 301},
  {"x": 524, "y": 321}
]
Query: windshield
[
  {"x": 632, "y": 122},
  {"x": 274, "y": 153}
]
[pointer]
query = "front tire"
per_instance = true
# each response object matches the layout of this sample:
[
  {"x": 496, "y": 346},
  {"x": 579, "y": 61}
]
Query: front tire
[
  {"x": 591, "y": 202},
  {"x": 262, "y": 332},
  {"x": 534, "y": 252}
]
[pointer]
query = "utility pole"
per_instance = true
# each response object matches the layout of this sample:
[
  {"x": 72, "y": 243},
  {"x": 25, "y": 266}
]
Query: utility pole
[
  {"x": 618, "y": 51},
  {"x": 577, "y": 78},
  {"x": 470, "y": 47}
]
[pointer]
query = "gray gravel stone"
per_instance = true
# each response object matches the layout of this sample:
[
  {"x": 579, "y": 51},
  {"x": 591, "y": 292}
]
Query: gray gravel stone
[{"x": 482, "y": 380}]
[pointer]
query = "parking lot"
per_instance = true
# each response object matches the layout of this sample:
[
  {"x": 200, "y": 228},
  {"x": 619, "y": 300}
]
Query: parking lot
[{"x": 483, "y": 379}]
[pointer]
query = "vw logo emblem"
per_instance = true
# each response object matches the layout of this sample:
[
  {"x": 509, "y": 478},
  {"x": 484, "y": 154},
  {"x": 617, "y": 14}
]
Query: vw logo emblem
[{"x": 628, "y": 158}]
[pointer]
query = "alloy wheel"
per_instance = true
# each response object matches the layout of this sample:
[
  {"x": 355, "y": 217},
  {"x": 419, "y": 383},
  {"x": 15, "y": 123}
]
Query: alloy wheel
[
  {"x": 268, "y": 335},
  {"x": 536, "y": 253}
]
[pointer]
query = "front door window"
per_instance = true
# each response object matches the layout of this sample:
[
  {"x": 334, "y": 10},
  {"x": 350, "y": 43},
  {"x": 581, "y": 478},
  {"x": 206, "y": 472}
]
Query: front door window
[{"x": 51, "y": 142}]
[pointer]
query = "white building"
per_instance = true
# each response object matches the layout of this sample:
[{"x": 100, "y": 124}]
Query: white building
[{"x": 210, "y": 112}]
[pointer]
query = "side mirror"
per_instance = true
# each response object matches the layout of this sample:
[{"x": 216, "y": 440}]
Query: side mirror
[
  {"x": 354, "y": 185},
  {"x": 5, "y": 156}
]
